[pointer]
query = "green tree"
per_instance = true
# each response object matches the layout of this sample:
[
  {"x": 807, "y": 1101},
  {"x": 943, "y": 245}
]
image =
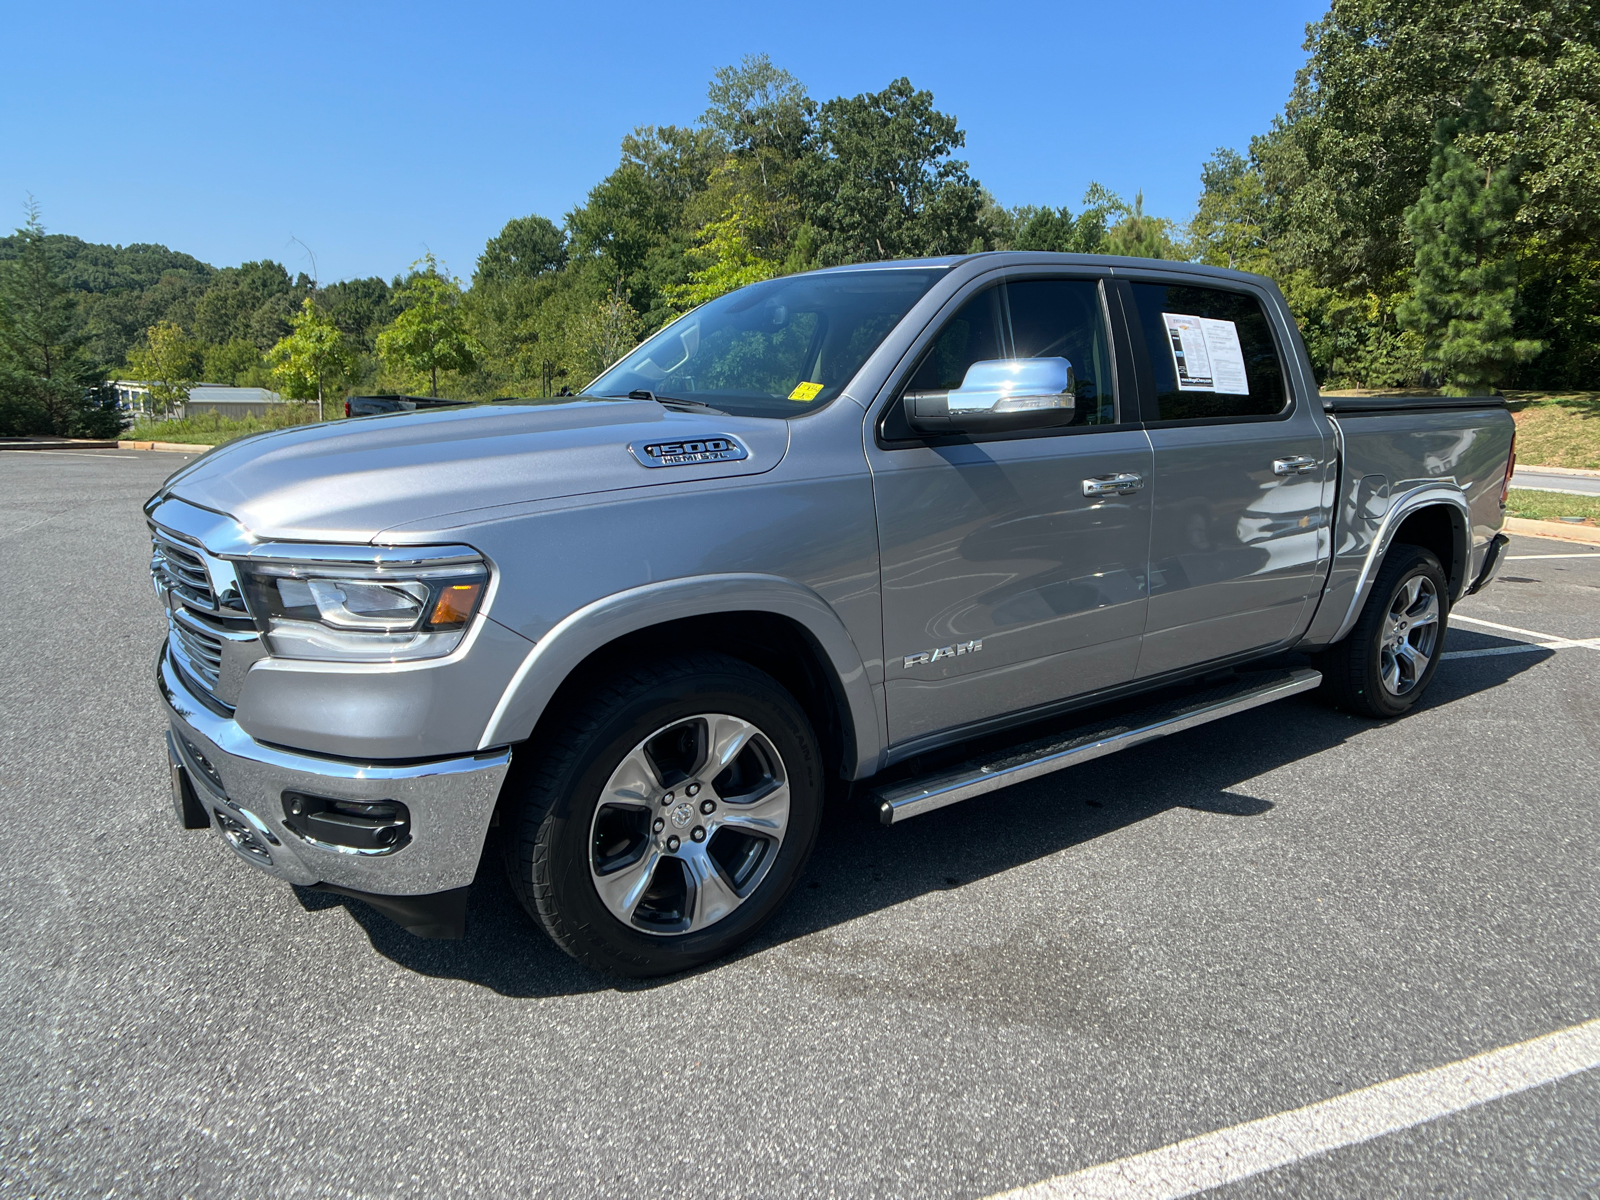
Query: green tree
[
  {"x": 883, "y": 183},
  {"x": 236, "y": 362},
  {"x": 1139, "y": 235},
  {"x": 44, "y": 376},
  {"x": 524, "y": 249},
  {"x": 430, "y": 334},
  {"x": 604, "y": 334},
  {"x": 169, "y": 362},
  {"x": 631, "y": 232},
  {"x": 1057, "y": 230},
  {"x": 1466, "y": 269},
  {"x": 1353, "y": 148},
  {"x": 1230, "y": 224},
  {"x": 312, "y": 358},
  {"x": 721, "y": 260},
  {"x": 763, "y": 121},
  {"x": 359, "y": 307},
  {"x": 253, "y": 302}
]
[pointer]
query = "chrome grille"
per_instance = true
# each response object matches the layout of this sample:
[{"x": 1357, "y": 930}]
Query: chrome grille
[
  {"x": 199, "y": 623},
  {"x": 200, "y": 652},
  {"x": 180, "y": 568}
]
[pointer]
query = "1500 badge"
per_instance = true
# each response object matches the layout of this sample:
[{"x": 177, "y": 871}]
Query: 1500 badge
[
  {"x": 682, "y": 454},
  {"x": 940, "y": 653}
]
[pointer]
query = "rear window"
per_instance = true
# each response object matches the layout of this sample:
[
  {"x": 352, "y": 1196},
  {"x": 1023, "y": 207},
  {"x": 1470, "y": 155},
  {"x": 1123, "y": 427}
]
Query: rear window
[{"x": 1212, "y": 353}]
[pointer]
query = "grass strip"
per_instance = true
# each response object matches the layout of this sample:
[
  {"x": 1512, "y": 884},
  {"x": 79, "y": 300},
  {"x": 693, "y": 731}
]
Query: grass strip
[
  {"x": 1557, "y": 429},
  {"x": 1552, "y": 506},
  {"x": 212, "y": 429}
]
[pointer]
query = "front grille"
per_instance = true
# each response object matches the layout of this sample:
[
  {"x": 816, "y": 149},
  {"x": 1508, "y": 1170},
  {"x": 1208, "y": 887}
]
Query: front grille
[
  {"x": 181, "y": 569},
  {"x": 201, "y": 653},
  {"x": 199, "y": 624}
]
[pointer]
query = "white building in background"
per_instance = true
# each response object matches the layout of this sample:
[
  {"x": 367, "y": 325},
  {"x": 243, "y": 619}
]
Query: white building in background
[
  {"x": 230, "y": 401},
  {"x": 133, "y": 395}
]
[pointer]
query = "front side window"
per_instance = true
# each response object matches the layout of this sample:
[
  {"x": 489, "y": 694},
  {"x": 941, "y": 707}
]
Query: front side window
[
  {"x": 781, "y": 348},
  {"x": 1030, "y": 318},
  {"x": 1211, "y": 352}
]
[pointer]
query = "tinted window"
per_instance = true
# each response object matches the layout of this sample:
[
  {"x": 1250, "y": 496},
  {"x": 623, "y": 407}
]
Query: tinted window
[
  {"x": 1045, "y": 318},
  {"x": 1211, "y": 353}
]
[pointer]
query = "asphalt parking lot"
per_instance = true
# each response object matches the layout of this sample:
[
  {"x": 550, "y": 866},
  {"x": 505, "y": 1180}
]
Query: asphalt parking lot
[{"x": 1236, "y": 922}]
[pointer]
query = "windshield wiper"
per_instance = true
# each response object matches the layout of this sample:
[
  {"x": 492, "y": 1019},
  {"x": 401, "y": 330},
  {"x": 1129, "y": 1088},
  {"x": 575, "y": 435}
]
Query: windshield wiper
[{"x": 669, "y": 401}]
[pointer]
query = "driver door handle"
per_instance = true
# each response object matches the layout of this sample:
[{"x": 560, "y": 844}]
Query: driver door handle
[
  {"x": 1295, "y": 464},
  {"x": 1124, "y": 483}
]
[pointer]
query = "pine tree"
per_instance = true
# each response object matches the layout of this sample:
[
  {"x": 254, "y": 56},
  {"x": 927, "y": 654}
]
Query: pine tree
[
  {"x": 1464, "y": 285},
  {"x": 46, "y": 383}
]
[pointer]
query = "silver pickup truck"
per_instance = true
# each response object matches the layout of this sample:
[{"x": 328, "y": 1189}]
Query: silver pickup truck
[{"x": 914, "y": 530}]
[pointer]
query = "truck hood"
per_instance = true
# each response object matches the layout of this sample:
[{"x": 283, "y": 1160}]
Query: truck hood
[{"x": 349, "y": 480}]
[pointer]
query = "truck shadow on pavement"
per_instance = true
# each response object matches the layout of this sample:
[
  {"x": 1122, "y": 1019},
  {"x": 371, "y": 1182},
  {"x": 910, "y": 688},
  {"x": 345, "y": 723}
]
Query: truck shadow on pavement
[{"x": 860, "y": 866}]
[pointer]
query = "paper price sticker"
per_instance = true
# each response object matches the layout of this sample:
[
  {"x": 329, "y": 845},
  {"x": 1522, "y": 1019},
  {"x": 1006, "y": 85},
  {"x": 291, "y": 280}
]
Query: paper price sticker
[
  {"x": 1206, "y": 354},
  {"x": 806, "y": 392}
]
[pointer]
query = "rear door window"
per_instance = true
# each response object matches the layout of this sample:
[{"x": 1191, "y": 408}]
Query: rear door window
[{"x": 1212, "y": 353}]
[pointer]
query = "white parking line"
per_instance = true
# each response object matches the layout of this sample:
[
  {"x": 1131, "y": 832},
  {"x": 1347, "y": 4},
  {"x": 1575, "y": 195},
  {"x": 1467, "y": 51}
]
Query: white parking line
[
  {"x": 1552, "y": 640},
  {"x": 1519, "y": 648},
  {"x": 1228, "y": 1155},
  {"x": 1527, "y": 557}
]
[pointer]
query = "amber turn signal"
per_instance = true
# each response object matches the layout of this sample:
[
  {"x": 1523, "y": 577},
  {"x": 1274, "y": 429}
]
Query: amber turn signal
[{"x": 455, "y": 605}]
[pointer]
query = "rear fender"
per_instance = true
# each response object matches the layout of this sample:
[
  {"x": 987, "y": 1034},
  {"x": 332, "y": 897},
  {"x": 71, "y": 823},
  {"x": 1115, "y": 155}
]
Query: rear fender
[{"x": 1443, "y": 494}]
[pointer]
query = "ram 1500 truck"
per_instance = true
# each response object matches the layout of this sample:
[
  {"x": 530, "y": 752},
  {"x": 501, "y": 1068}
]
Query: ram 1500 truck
[{"x": 926, "y": 528}]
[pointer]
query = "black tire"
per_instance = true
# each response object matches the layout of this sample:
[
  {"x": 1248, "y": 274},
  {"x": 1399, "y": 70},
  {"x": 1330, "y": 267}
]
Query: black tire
[
  {"x": 1360, "y": 674},
  {"x": 554, "y": 835}
]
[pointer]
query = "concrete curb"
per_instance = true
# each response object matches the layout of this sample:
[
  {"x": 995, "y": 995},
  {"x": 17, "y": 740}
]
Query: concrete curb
[
  {"x": 56, "y": 444},
  {"x": 1580, "y": 472},
  {"x": 1559, "y": 530},
  {"x": 184, "y": 447}
]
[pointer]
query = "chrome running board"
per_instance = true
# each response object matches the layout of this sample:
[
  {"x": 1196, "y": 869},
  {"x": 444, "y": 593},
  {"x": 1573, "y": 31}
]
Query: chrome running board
[{"x": 900, "y": 801}]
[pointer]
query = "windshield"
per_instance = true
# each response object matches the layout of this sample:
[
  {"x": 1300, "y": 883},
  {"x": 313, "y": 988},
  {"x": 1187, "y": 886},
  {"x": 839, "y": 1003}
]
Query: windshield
[{"x": 779, "y": 348}]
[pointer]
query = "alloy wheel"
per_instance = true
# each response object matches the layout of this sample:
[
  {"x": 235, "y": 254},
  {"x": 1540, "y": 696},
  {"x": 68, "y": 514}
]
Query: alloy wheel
[
  {"x": 1410, "y": 635},
  {"x": 689, "y": 824}
]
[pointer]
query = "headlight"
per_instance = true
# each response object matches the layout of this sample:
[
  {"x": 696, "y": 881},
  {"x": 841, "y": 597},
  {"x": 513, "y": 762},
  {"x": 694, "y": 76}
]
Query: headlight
[{"x": 371, "y": 611}]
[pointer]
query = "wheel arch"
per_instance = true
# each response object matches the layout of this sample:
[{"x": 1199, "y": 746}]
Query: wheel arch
[
  {"x": 775, "y": 624},
  {"x": 1434, "y": 516}
]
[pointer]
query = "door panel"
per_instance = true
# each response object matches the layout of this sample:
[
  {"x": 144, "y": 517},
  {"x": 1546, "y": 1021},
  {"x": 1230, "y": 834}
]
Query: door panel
[
  {"x": 1235, "y": 550},
  {"x": 1238, "y": 542},
  {"x": 996, "y": 541},
  {"x": 990, "y": 550}
]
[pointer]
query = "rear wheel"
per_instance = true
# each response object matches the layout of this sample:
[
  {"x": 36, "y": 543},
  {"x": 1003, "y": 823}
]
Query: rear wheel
[
  {"x": 1387, "y": 661},
  {"x": 668, "y": 817}
]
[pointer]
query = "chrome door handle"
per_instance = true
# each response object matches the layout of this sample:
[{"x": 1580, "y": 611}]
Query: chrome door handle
[
  {"x": 1295, "y": 464},
  {"x": 1124, "y": 483}
]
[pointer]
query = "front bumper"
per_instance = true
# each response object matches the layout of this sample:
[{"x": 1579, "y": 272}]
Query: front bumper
[{"x": 242, "y": 781}]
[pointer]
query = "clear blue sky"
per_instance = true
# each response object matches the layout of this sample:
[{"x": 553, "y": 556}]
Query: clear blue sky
[{"x": 375, "y": 132}]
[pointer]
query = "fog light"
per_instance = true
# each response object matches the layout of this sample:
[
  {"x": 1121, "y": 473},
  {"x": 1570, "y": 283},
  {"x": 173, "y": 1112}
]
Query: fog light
[{"x": 367, "y": 826}]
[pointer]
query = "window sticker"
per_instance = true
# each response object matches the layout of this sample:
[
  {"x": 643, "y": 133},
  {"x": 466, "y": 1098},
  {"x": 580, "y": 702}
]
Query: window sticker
[
  {"x": 1206, "y": 354},
  {"x": 806, "y": 392}
]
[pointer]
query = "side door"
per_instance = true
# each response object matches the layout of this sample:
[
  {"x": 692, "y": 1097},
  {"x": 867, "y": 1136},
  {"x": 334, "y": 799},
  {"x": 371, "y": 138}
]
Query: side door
[
  {"x": 1238, "y": 543},
  {"x": 1005, "y": 586}
]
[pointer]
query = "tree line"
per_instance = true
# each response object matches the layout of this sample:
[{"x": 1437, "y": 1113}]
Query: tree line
[
  {"x": 1426, "y": 199},
  {"x": 1429, "y": 199}
]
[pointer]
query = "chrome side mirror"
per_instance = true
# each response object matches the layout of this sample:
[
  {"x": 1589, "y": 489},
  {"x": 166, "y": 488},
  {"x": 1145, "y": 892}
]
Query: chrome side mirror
[{"x": 999, "y": 394}]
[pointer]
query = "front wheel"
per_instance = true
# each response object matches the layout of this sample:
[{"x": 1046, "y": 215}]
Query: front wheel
[
  {"x": 1387, "y": 661},
  {"x": 668, "y": 817}
]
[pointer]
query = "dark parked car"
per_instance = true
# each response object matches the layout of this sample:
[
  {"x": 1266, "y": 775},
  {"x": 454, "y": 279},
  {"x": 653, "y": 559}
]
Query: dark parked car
[{"x": 372, "y": 406}]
